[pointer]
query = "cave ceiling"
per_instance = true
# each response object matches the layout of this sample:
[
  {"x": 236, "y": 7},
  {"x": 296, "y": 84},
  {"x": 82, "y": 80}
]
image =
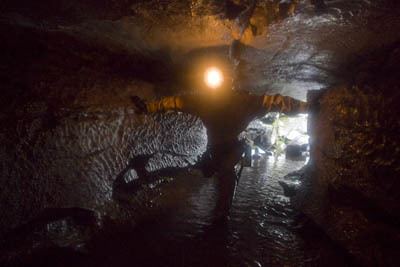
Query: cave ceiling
[{"x": 306, "y": 51}]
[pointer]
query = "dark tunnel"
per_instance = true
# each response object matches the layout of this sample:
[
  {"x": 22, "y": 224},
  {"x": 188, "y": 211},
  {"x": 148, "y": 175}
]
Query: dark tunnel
[{"x": 200, "y": 133}]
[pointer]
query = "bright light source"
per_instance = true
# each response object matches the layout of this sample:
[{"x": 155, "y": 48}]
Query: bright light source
[{"x": 213, "y": 77}]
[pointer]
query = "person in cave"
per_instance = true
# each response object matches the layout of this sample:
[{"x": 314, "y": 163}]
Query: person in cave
[{"x": 225, "y": 114}]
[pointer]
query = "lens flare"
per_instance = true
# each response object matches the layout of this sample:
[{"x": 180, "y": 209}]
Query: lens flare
[{"x": 213, "y": 77}]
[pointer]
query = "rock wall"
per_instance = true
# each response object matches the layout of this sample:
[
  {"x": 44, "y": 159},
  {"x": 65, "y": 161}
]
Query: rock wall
[
  {"x": 67, "y": 124},
  {"x": 351, "y": 187}
]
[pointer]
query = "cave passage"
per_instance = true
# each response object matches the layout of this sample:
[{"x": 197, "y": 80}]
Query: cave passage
[
  {"x": 178, "y": 230},
  {"x": 93, "y": 172},
  {"x": 263, "y": 229}
]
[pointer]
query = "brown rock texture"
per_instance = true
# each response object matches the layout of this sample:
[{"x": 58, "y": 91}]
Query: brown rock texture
[{"x": 352, "y": 184}]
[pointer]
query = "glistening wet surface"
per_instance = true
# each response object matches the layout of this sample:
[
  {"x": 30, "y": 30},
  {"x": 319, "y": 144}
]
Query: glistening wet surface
[{"x": 263, "y": 229}]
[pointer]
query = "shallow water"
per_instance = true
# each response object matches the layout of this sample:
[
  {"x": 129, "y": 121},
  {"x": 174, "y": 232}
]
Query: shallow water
[{"x": 263, "y": 228}]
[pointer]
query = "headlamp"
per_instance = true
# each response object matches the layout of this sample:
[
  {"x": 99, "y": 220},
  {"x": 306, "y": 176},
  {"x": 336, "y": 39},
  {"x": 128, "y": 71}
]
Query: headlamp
[{"x": 213, "y": 77}]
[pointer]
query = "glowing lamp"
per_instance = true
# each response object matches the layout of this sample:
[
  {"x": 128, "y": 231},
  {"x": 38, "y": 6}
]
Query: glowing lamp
[{"x": 213, "y": 77}]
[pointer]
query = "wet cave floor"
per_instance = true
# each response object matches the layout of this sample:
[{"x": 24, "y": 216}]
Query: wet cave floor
[{"x": 263, "y": 229}]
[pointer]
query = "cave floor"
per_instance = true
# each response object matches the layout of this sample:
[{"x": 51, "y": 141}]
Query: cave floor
[{"x": 263, "y": 229}]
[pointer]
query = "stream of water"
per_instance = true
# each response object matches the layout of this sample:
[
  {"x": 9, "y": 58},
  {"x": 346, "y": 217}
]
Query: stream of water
[{"x": 263, "y": 228}]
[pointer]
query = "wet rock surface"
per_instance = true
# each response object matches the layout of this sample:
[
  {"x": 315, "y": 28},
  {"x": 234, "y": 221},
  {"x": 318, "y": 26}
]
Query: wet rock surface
[
  {"x": 355, "y": 168},
  {"x": 68, "y": 130},
  {"x": 176, "y": 229}
]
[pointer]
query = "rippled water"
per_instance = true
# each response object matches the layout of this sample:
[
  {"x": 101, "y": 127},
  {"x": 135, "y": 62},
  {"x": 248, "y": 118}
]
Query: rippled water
[{"x": 263, "y": 229}]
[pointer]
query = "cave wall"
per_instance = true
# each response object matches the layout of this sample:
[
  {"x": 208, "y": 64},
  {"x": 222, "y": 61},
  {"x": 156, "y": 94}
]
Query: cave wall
[
  {"x": 67, "y": 124},
  {"x": 68, "y": 69},
  {"x": 351, "y": 187}
]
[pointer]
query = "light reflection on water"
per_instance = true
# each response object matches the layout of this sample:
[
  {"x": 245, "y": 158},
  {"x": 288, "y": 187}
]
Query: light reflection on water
[
  {"x": 259, "y": 231},
  {"x": 263, "y": 229},
  {"x": 262, "y": 215}
]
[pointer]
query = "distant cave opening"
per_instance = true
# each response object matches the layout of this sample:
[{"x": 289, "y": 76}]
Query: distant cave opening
[{"x": 277, "y": 134}]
